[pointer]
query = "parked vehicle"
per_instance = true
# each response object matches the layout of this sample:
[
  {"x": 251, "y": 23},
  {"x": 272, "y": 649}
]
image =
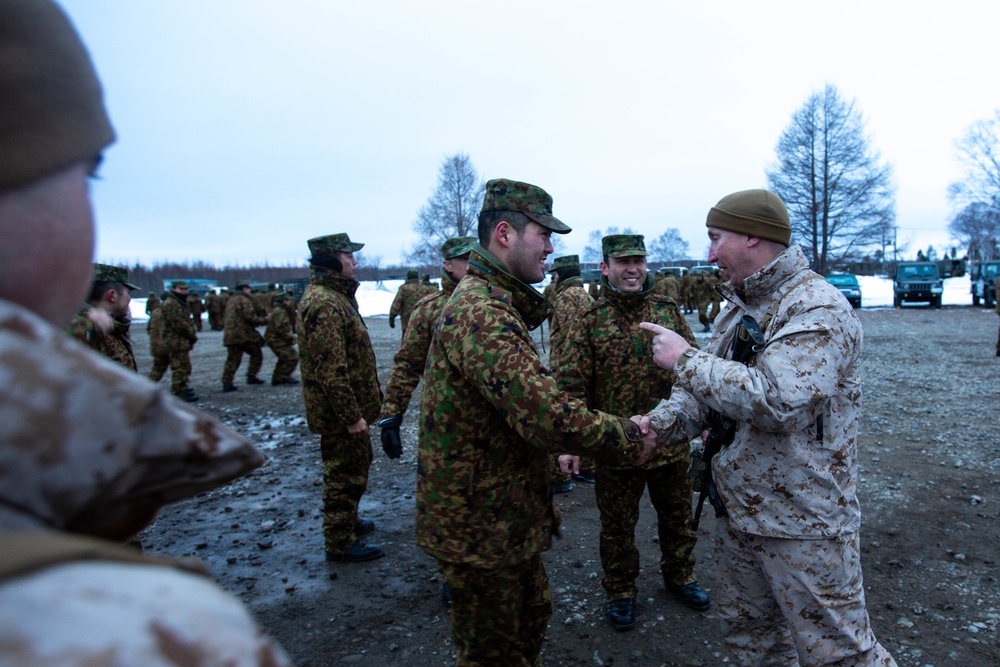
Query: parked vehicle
[
  {"x": 983, "y": 278},
  {"x": 917, "y": 281},
  {"x": 704, "y": 268},
  {"x": 848, "y": 284}
]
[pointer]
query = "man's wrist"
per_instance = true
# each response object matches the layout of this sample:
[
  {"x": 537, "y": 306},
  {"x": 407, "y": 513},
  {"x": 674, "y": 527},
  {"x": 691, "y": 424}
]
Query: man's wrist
[{"x": 684, "y": 357}]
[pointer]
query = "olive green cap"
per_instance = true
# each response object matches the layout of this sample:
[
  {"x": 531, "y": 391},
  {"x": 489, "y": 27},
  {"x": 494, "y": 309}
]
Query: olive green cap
[
  {"x": 564, "y": 261},
  {"x": 411, "y": 274},
  {"x": 179, "y": 284},
  {"x": 332, "y": 243},
  {"x": 457, "y": 246},
  {"x": 105, "y": 273},
  {"x": 240, "y": 284},
  {"x": 623, "y": 245},
  {"x": 757, "y": 213},
  {"x": 503, "y": 194}
]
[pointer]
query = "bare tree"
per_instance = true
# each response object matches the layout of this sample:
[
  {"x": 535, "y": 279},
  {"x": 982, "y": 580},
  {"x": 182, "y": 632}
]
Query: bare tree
[
  {"x": 977, "y": 226},
  {"x": 977, "y": 194},
  {"x": 451, "y": 210},
  {"x": 839, "y": 194},
  {"x": 668, "y": 247},
  {"x": 593, "y": 253}
]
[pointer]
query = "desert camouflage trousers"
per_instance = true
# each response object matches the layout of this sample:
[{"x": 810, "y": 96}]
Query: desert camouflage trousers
[
  {"x": 498, "y": 617},
  {"x": 288, "y": 361},
  {"x": 179, "y": 364},
  {"x": 235, "y": 356},
  {"x": 618, "y": 495},
  {"x": 793, "y": 603},
  {"x": 346, "y": 461}
]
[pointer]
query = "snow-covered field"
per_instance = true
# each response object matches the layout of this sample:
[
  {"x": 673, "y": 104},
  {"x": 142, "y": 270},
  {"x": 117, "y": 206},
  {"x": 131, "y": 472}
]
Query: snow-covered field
[{"x": 374, "y": 299}]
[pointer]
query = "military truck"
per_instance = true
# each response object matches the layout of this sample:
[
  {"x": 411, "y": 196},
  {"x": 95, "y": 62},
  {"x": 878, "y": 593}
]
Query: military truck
[
  {"x": 983, "y": 278},
  {"x": 917, "y": 282}
]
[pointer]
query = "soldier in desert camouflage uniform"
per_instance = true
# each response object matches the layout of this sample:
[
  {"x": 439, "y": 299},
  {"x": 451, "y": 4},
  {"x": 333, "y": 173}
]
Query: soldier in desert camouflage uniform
[
  {"x": 489, "y": 412},
  {"x": 341, "y": 392},
  {"x": 86, "y": 446},
  {"x": 241, "y": 335},
  {"x": 412, "y": 356},
  {"x": 406, "y": 298},
  {"x": 608, "y": 364},
  {"x": 790, "y": 589},
  {"x": 109, "y": 293},
  {"x": 280, "y": 337},
  {"x": 177, "y": 337}
]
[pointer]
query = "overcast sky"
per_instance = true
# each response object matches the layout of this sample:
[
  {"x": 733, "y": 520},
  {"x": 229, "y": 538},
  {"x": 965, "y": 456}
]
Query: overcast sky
[{"x": 248, "y": 126}]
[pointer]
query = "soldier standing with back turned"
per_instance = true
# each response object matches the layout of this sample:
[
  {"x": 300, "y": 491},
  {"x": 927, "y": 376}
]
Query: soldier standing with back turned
[
  {"x": 178, "y": 337},
  {"x": 241, "y": 335},
  {"x": 280, "y": 337}
]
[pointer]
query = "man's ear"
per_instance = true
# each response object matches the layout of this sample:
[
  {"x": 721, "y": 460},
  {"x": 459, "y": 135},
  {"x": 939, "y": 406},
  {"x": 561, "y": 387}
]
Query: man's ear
[
  {"x": 752, "y": 241},
  {"x": 503, "y": 233}
]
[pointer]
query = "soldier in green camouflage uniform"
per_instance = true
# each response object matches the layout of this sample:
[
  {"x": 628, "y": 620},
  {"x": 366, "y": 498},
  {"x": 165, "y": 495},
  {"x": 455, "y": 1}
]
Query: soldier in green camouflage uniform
[
  {"x": 341, "y": 392},
  {"x": 609, "y": 364},
  {"x": 490, "y": 414},
  {"x": 241, "y": 335},
  {"x": 427, "y": 286},
  {"x": 702, "y": 291},
  {"x": 152, "y": 303},
  {"x": 109, "y": 293},
  {"x": 280, "y": 337},
  {"x": 406, "y": 298},
  {"x": 215, "y": 313},
  {"x": 197, "y": 307},
  {"x": 412, "y": 356},
  {"x": 178, "y": 337}
]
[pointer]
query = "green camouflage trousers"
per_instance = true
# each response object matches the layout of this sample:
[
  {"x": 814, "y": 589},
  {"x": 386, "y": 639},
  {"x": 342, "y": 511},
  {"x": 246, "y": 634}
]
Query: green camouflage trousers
[
  {"x": 234, "y": 358},
  {"x": 618, "y": 495},
  {"x": 288, "y": 361},
  {"x": 180, "y": 365},
  {"x": 498, "y": 617},
  {"x": 346, "y": 461}
]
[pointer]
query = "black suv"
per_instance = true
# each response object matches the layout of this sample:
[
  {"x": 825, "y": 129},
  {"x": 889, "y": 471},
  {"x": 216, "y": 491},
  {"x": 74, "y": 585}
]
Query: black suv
[
  {"x": 917, "y": 281},
  {"x": 984, "y": 282}
]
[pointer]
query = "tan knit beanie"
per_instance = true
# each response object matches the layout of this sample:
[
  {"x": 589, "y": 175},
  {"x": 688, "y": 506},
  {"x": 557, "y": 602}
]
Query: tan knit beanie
[
  {"x": 51, "y": 107},
  {"x": 756, "y": 213}
]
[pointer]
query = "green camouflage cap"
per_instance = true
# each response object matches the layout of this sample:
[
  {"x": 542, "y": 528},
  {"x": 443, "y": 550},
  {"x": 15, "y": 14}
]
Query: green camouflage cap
[
  {"x": 240, "y": 284},
  {"x": 457, "y": 246},
  {"x": 331, "y": 243},
  {"x": 412, "y": 274},
  {"x": 179, "y": 284},
  {"x": 105, "y": 273},
  {"x": 503, "y": 194},
  {"x": 623, "y": 245},
  {"x": 563, "y": 262}
]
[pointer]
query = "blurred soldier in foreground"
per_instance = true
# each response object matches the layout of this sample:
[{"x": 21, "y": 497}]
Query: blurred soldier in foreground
[
  {"x": 71, "y": 469},
  {"x": 789, "y": 587},
  {"x": 412, "y": 356},
  {"x": 489, "y": 412},
  {"x": 241, "y": 335},
  {"x": 109, "y": 297},
  {"x": 406, "y": 298},
  {"x": 608, "y": 363},
  {"x": 341, "y": 392},
  {"x": 280, "y": 337},
  {"x": 177, "y": 337}
]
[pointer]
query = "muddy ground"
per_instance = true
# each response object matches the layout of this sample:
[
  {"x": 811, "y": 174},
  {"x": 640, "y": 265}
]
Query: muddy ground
[{"x": 930, "y": 493}]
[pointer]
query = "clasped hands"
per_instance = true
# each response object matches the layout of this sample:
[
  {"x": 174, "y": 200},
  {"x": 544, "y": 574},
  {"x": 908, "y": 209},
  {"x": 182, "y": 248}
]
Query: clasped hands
[{"x": 569, "y": 463}]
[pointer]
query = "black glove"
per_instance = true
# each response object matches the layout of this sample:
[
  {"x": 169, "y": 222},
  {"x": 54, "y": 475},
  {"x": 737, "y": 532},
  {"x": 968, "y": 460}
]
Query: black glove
[
  {"x": 391, "y": 443},
  {"x": 392, "y": 322}
]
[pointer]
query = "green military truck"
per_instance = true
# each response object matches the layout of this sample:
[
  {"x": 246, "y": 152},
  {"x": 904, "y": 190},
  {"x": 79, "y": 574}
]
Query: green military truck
[
  {"x": 983, "y": 278},
  {"x": 917, "y": 282}
]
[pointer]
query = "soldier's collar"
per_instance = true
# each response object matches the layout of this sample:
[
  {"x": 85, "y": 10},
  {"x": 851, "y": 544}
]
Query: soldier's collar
[{"x": 528, "y": 301}]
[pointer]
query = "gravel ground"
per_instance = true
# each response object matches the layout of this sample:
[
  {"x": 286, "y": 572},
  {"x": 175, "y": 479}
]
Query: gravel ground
[{"x": 929, "y": 491}]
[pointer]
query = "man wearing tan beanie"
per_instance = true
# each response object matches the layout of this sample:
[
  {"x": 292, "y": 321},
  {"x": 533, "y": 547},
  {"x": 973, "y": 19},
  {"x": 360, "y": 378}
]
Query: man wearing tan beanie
[
  {"x": 89, "y": 451},
  {"x": 789, "y": 588}
]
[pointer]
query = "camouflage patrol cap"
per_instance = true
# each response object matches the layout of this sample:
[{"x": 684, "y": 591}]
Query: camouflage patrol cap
[
  {"x": 623, "y": 245},
  {"x": 412, "y": 274},
  {"x": 240, "y": 284},
  {"x": 179, "y": 284},
  {"x": 564, "y": 261},
  {"x": 503, "y": 194},
  {"x": 457, "y": 246},
  {"x": 756, "y": 213},
  {"x": 282, "y": 296},
  {"x": 332, "y": 243},
  {"x": 105, "y": 273}
]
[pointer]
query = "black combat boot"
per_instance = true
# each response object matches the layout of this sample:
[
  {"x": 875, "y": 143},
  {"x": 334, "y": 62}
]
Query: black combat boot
[{"x": 621, "y": 613}]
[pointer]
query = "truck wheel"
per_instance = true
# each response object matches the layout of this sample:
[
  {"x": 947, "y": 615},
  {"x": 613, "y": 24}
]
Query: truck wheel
[{"x": 935, "y": 302}]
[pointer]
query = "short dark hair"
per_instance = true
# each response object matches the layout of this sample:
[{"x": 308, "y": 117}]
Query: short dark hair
[
  {"x": 99, "y": 287},
  {"x": 329, "y": 261},
  {"x": 488, "y": 221}
]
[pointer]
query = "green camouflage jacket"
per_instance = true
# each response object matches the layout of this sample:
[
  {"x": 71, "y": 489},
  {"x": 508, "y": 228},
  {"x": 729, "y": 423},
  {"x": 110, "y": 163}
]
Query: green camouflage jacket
[
  {"x": 154, "y": 329},
  {"x": 569, "y": 301},
  {"x": 337, "y": 363},
  {"x": 406, "y": 298},
  {"x": 117, "y": 345},
  {"x": 279, "y": 331},
  {"x": 490, "y": 416},
  {"x": 242, "y": 320},
  {"x": 412, "y": 356},
  {"x": 608, "y": 361},
  {"x": 179, "y": 334}
]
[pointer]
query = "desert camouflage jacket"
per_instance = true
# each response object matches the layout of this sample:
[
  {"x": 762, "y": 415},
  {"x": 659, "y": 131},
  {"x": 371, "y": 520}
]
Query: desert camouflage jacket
[
  {"x": 242, "y": 320},
  {"x": 279, "y": 332},
  {"x": 569, "y": 301},
  {"x": 337, "y": 363},
  {"x": 409, "y": 362},
  {"x": 116, "y": 345},
  {"x": 490, "y": 416},
  {"x": 179, "y": 334},
  {"x": 792, "y": 470},
  {"x": 406, "y": 298},
  {"x": 608, "y": 361}
]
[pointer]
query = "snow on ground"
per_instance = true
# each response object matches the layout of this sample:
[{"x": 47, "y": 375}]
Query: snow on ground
[{"x": 375, "y": 298}]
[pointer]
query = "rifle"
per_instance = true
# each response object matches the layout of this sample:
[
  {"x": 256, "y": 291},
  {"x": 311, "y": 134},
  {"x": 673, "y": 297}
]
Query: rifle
[{"x": 748, "y": 341}]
